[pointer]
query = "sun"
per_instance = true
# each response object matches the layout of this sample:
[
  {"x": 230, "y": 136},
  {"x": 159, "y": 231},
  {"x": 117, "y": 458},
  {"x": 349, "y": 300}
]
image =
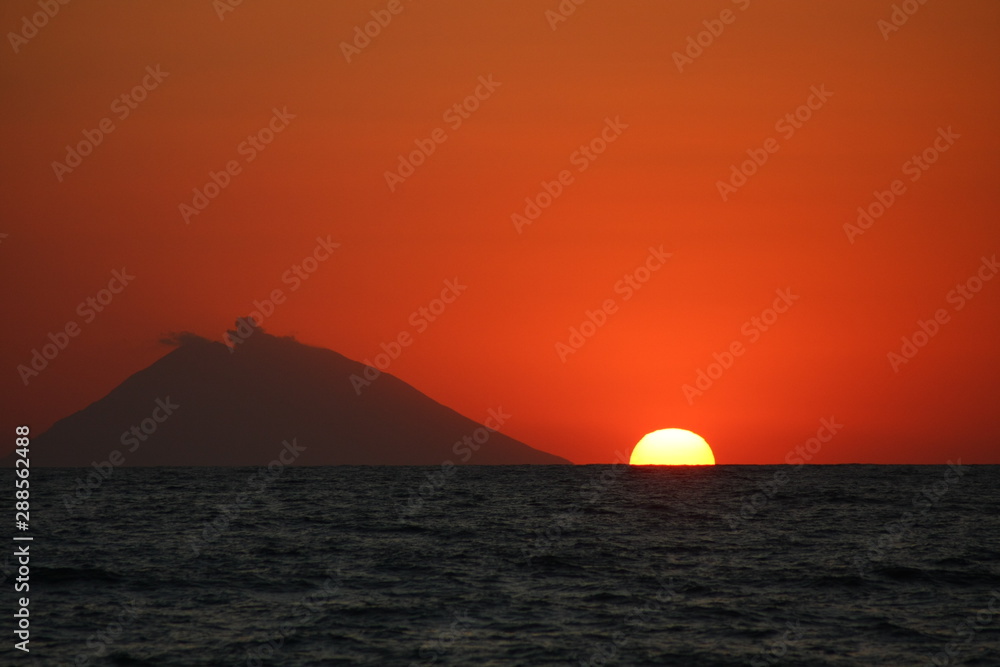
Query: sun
[{"x": 672, "y": 447}]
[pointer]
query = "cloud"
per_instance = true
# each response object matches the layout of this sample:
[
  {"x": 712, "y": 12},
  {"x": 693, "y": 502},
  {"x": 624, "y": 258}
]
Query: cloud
[{"x": 176, "y": 339}]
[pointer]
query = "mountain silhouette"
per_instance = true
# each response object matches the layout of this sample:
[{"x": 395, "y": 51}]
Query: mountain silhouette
[{"x": 259, "y": 397}]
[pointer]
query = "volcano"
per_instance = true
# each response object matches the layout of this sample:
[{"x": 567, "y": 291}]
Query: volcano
[{"x": 244, "y": 402}]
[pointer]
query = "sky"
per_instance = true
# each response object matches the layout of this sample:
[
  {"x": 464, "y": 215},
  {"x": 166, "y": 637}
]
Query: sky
[{"x": 751, "y": 219}]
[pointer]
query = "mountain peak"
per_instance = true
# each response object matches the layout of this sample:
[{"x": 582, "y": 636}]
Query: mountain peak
[{"x": 245, "y": 330}]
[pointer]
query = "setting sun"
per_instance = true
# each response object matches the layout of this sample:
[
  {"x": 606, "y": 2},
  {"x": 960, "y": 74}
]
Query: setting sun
[{"x": 672, "y": 447}]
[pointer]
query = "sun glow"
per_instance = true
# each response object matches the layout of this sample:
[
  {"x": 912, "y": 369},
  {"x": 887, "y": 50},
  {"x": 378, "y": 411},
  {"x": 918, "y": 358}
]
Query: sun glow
[{"x": 672, "y": 447}]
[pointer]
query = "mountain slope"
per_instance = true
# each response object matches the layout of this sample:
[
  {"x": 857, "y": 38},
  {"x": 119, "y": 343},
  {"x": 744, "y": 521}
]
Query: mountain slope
[{"x": 203, "y": 404}]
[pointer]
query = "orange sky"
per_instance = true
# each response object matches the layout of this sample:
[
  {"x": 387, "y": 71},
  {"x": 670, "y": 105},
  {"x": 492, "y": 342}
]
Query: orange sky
[{"x": 655, "y": 185}]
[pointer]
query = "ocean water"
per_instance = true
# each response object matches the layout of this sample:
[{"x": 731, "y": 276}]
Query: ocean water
[{"x": 555, "y": 565}]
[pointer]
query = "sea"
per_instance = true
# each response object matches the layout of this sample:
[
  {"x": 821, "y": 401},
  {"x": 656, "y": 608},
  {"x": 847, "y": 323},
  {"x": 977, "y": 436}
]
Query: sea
[{"x": 511, "y": 565}]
